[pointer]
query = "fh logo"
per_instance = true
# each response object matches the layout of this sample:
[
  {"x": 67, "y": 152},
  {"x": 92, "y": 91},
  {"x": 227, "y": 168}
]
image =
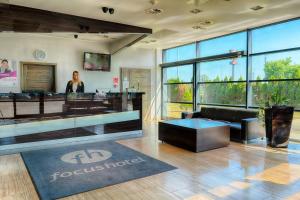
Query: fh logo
[{"x": 86, "y": 156}]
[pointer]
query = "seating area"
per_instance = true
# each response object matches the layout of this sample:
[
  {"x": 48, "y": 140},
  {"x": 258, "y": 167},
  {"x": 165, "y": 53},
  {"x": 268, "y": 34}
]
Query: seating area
[
  {"x": 150, "y": 100},
  {"x": 244, "y": 124}
]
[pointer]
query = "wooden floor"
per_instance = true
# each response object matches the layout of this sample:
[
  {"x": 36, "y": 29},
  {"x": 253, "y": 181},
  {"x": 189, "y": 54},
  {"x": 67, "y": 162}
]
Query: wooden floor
[{"x": 235, "y": 172}]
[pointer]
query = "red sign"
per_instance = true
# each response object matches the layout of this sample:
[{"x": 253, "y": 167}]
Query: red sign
[{"x": 116, "y": 81}]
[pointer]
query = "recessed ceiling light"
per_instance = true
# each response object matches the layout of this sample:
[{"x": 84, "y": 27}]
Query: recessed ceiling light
[
  {"x": 256, "y": 8},
  {"x": 196, "y": 11},
  {"x": 154, "y": 11},
  {"x": 203, "y": 24},
  {"x": 206, "y": 22},
  {"x": 198, "y": 27}
]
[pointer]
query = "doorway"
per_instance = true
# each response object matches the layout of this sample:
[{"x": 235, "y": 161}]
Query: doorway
[
  {"x": 38, "y": 77},
  {"x": 139, "y": 80}
]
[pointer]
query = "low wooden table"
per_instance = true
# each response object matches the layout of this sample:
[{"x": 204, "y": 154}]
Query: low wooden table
[{"x": 194, "y": 134}]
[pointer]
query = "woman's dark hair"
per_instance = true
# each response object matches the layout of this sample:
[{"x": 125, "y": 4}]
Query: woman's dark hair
[
  {"x": 4, "y": 60},
  {"x": 75, "y": 72}
]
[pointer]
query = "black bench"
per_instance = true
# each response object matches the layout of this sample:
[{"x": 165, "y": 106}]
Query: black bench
[{"x": 243, "y": 123}]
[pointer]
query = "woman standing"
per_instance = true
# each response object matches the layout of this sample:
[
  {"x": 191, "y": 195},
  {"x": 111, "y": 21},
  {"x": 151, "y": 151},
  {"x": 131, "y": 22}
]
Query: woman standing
[{"x": 75, "y": 85}]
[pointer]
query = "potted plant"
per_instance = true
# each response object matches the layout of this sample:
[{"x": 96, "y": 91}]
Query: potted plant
[{"x": 277, "y": 119}]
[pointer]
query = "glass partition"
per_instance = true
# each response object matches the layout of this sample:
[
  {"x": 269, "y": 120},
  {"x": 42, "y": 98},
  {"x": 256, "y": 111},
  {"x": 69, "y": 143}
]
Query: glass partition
[{"x": 57, "y": 118}]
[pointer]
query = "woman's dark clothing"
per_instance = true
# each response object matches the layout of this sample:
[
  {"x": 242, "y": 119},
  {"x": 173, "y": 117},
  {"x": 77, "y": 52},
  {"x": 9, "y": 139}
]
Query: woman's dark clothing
[{"x": 80, "y": 87}]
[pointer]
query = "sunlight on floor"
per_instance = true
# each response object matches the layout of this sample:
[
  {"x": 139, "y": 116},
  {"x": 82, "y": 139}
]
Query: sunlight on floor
[
  {"x": 294, "y": 197},
  {"x": 200, "y": 197},
  {"x": 222, "y": 191},
  {"x": 294, "y": 148},
  {"x": 283, "y": 174},
  {"x": 240, "y": 185}
]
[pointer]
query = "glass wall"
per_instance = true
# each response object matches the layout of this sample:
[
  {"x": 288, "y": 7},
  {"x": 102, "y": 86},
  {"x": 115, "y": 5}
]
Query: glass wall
[
  {"x": 185, "y": 52},
  {"x": 276, "y": 37},
  {"x": 223, "y": 45},
  {"x": 222, "y": 82},
  {"x": 177, "y": 90},
  {"x": 268, "y": 70},
  {"x": 275, "y": 75}
]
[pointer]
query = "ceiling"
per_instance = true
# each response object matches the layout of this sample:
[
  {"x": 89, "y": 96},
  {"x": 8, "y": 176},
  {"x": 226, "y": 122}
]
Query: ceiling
[
  {"x": 174, "y": 25},
  {"x": 92, "y": 37}
]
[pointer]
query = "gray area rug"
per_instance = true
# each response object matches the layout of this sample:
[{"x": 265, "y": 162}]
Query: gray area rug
[{"x": 65, "y": 171}]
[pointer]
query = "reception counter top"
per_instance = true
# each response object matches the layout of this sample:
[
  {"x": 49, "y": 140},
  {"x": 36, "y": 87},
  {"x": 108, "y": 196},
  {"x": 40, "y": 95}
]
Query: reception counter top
[{"x": 39, "y": 105}]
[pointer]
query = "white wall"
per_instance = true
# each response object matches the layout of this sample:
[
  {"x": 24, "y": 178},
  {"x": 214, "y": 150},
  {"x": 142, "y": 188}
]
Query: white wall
[
  {"x": 138, "y": 58},
  {"x": 67, "y": 53}
]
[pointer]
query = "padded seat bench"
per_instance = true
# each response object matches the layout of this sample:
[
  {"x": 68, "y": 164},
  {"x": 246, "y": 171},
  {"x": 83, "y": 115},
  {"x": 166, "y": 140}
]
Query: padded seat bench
[{"x": 243, "y": 123}]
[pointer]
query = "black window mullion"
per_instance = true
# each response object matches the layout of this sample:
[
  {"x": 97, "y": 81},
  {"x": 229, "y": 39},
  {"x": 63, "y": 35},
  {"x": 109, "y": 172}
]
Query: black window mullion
[
  {"x": 274, "y": 80},
  {"x": 216, "y": 82},
  {"x": 179, "y": 102},
  {"x": 248, "y": 67},
  {"x": 179, "y": 83},
  {"x": 194, "y": 86},
  {"x": 275, "y": 51}
]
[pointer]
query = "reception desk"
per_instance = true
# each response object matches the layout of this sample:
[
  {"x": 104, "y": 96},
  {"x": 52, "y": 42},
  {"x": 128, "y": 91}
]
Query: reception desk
[
  {"x": 36, "y": 117},
  {"x": 41, "y": 105}
]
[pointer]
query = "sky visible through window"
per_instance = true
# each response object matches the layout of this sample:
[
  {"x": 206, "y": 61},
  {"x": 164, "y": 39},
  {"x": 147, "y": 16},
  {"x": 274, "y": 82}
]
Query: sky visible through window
[{"x": 275, "y": 37}]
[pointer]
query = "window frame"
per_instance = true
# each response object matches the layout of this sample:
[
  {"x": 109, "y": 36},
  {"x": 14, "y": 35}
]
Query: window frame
[
  {"x": 163, "y": 102},
  {"x": 248, "y": 54},
  {"x": 177, "y": 47}
]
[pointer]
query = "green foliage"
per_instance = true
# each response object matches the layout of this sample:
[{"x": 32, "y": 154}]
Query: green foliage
[
  {"x": 263, "y": 94},
  {"x": 180, "y": 93},
  {"x": 223, "y": 93},
  {"x": 278, "y": 93}
]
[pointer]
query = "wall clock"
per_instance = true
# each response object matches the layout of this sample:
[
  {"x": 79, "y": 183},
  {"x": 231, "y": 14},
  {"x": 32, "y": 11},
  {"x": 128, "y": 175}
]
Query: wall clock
[{"x": 39, "y": 54}]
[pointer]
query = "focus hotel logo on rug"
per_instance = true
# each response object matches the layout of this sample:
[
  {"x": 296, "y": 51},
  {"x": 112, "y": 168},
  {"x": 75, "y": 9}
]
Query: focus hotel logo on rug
[
  {"x": 86, "y": 156},
  {"x": 91, "y": 156}
]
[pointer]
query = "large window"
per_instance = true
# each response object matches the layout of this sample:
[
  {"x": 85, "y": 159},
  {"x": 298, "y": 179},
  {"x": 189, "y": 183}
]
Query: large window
[
  {"x": 222, "y": 70},
  {"x": 268, "y": 71},
  {"x": 275, "y": 77},
  {"x": 284, "y": 65},
  {"x": 177, "y": 90},
  {"x": 223, "y": 45},
  {"x": 222, "y": 82},
  {"x": 180, "y": 53},
  {"x": 271, "y": 91},
  {"x": 276, "y": 37}
]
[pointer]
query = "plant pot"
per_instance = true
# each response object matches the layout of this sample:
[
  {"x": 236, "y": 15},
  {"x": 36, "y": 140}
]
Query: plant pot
[{"x": 278, "y": 120}]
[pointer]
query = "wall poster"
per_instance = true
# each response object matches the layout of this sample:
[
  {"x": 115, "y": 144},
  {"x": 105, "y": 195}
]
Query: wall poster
[{"x": 8, "y": 73}]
